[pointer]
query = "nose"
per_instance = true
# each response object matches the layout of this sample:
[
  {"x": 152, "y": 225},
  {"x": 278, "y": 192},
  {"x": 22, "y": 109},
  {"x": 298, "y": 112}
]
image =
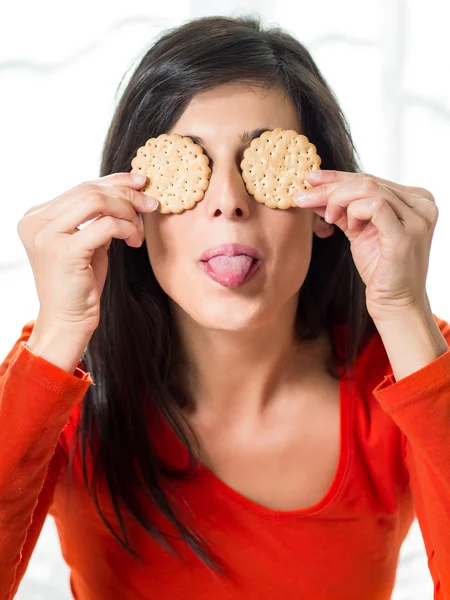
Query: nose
[{"x": 227, "y": 195}]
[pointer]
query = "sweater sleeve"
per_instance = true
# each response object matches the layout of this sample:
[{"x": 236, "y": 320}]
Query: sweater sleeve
[
  {"x": 420, "y": 406},
  {"x": 36, "y": 399}
]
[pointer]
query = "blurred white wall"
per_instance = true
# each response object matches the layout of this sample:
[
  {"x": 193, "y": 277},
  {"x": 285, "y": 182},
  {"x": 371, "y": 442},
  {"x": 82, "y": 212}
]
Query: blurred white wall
[{"x": 60, "y": 64}]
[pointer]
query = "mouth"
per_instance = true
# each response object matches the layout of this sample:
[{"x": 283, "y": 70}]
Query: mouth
[
  {"x": 231, "y": 265},
  {"x": 231, "y": 271}
]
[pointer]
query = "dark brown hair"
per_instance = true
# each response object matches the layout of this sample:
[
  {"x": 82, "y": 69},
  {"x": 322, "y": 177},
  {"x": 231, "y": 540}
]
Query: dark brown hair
[{"x": 133, "y": 354}]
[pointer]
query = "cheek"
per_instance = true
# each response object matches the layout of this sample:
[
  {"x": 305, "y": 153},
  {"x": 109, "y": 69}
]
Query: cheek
[
  {"x": 168, "y": 244},
  {"x": 292, "y": 264},
  {"x": 291, "y": 236}
]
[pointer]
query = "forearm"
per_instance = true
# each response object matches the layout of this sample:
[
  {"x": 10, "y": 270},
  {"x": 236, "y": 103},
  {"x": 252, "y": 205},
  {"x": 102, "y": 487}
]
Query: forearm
[
  {"x": 419, "y": 403},
  {"x": 36, "y": 399},
  {"x": 412, "y": 342}
]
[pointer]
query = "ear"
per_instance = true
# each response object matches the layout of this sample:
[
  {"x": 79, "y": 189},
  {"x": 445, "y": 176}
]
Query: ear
[{"x": 321, "y": 228}]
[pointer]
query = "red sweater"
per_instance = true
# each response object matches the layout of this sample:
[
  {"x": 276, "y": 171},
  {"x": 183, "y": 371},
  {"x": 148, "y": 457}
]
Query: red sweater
[{"x": 394, "y": 462}]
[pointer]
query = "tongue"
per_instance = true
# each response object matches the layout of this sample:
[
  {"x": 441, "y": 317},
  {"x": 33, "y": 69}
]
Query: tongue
[{"x": 230, "y": 270}]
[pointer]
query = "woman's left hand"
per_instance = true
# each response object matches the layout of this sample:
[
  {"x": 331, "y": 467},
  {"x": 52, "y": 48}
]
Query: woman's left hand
[{"x": 390, "y": 228}]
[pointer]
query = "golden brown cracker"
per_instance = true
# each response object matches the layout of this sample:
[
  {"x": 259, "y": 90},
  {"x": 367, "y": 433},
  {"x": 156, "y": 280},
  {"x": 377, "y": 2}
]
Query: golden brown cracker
[
  {"x": 274, "y": 166},
  {"x": 178, "y": 171}
]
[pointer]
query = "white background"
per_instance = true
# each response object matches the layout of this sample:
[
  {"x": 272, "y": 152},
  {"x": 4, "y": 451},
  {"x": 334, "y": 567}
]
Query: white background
[{"x": 60, "y": 65}]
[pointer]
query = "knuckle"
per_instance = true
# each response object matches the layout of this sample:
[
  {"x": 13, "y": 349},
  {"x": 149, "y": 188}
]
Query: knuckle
[
  {"x": 94, "y": 193},
  {"x": 377, "y": 204},
  {"x": 130, "y": 202},
  {"x": 85, "y": 187},
  {"x": 425, "y": 194},
  {"x": 434, "y": 211},
  {"x": 422, "y": 227},
  {"x": 130, "y": 195},
  {"x": 324, "y": 193},
  {"x": 109, "y": 222},
  {"x": 22, "y": 228},
  {"x": 96, "y": 198},
  {"x": 370, "y": 186}
]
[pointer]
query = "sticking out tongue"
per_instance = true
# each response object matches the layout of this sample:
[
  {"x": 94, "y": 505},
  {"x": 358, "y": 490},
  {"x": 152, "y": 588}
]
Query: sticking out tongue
[{"x": 229, "y": 271}]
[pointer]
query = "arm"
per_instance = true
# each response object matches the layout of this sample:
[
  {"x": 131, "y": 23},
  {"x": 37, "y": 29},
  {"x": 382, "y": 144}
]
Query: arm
[
  {"x": 417, "y": 396},
  {"x": 36, "y": 399}
]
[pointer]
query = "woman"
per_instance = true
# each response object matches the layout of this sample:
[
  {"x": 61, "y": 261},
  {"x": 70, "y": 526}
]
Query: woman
[{"x": 194, "y": 440}]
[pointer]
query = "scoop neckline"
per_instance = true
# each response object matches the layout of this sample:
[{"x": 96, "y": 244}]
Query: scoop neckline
[
  {"x": 203, "y": 473},
  {"x": 345, "y": 404}
]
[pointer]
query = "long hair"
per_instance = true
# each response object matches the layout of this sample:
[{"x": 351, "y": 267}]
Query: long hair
[{"x": 133, "y": 354}]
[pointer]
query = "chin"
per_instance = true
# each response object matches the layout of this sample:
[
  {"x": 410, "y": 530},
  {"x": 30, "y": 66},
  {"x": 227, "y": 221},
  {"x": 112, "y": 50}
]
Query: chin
[{"x": 233, "y": 315}]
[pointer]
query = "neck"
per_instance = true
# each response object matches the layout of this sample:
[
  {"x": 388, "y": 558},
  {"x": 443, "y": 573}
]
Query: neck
[{"x": 239, "y": 375}]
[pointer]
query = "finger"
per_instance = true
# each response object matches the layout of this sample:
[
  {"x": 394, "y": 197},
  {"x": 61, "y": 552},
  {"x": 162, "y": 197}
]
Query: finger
[
  {"x": 101, "y": 231},
  {"x": 342, "y": 197},
  {"x": 338, "y": 196},
  {"x": 54, "y": 205},
  {"x": 95, "y": 203},
  {"x": 380, "y": 213},
  {"x": 334, "y": 176},
  {"x": 90, "y": 190}
]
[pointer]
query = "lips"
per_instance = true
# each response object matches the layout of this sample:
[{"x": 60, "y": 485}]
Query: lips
[
  {"x": 230, "y": 250},
  {"x": 230, "y": 265}
]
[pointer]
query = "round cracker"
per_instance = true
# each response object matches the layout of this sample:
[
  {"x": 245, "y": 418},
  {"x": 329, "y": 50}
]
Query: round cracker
[
  {"x": 178, "y": 171},
  {"x": 274, "y": 166}
]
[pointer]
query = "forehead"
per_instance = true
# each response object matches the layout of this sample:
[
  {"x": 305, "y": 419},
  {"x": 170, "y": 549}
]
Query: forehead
[{"x": 238, "y": 112}]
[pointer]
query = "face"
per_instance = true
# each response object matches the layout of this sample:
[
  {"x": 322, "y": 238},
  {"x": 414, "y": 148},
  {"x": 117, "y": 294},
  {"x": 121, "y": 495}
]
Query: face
[{"x": 229, "y": 214}]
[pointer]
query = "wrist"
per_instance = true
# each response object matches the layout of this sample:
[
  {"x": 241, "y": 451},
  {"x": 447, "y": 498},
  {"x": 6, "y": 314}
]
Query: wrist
[{"x": 58, "y": 347}]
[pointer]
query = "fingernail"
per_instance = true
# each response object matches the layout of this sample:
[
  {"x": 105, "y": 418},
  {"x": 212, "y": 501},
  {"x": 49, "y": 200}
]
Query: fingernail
[
  {"x": 138, "y": 177},
  {"x": 314, "y": 175},
  {"x": 152, "y": 203}
]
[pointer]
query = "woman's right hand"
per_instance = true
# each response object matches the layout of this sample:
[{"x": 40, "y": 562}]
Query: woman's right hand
[{"x": 70, "y": 264}]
